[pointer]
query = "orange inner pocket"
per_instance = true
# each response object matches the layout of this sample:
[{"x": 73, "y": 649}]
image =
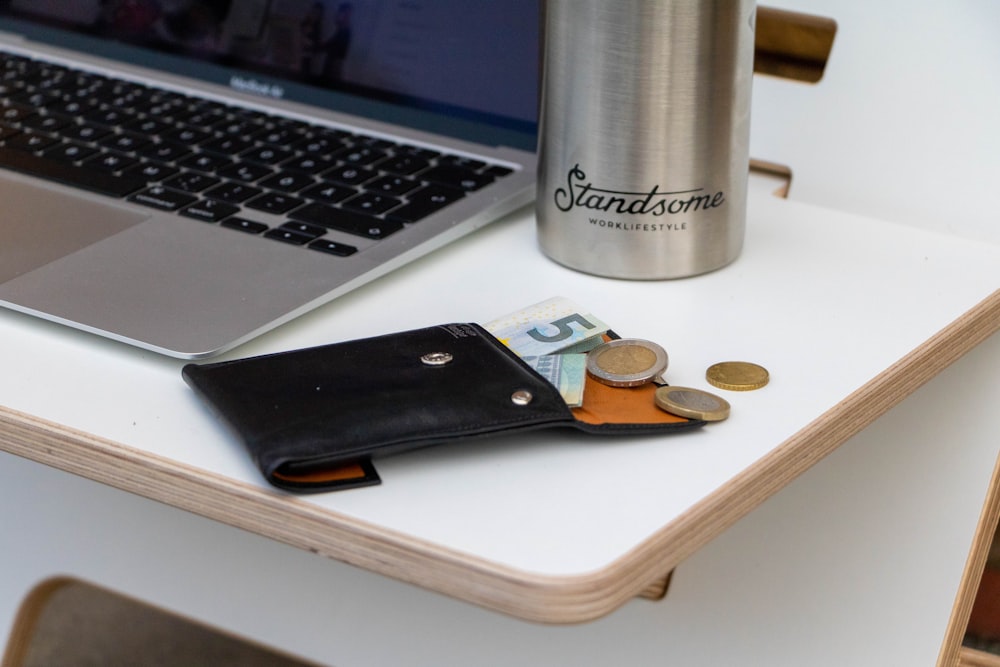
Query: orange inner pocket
[
  {"x": 603, "y": 404},
  {"x": 349, "y": 471}
]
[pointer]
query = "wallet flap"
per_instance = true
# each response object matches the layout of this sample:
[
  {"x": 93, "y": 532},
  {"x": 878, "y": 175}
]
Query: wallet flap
[{"x": 346, "y": 402}]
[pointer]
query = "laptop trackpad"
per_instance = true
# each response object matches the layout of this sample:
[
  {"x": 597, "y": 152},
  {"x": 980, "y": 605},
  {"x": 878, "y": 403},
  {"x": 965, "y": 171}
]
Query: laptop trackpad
[{"x": 39, "y": 225}]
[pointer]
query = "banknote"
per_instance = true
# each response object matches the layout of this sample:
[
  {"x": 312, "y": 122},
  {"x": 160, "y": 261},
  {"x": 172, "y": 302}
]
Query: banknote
[
  {"x": 567, "y": 372},
  {"x": 549, "y": 327}
]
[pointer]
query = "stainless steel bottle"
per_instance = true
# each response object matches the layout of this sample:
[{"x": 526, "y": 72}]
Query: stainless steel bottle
[{"x": 644, "y": 139}]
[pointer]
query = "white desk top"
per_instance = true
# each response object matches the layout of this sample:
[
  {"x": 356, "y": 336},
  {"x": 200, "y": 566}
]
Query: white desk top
[{"x": 548, "y": 526}]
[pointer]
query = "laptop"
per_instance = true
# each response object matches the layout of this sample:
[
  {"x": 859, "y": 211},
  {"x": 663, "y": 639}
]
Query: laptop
[{"x": 185, "y": 175}]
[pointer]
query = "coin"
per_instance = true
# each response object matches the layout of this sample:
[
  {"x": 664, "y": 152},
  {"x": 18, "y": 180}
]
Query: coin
[
  {"x": 691, "y": 403},
  {"x": 737, "y": 375},
  {"x": 626, "y": 362}
]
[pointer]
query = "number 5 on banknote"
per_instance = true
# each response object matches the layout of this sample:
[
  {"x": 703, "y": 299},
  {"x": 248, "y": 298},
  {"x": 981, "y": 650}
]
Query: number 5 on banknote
[
  {"x": 529, "y": 331},
  {"x": 563, "y": 328}
]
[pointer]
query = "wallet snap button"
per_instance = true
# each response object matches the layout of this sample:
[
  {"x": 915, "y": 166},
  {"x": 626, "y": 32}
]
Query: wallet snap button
[
  {"x": 521, "y": 397},
  {"x": 437, "y": 358}
]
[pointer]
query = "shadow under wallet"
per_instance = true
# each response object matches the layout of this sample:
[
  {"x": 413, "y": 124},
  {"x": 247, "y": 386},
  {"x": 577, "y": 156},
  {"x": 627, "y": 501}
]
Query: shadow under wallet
[{"x": 313, "y": 419}]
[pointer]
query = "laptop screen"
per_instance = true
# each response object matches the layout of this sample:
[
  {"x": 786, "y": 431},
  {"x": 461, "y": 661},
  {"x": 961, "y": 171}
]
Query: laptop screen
[{"x": 465, "y": 69}]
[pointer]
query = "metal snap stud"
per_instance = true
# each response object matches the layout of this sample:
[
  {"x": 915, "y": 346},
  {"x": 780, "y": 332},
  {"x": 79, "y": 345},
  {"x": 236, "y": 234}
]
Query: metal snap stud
[
  {"x": 437, "y": 358},
  {"x": 521, "y": 397}
]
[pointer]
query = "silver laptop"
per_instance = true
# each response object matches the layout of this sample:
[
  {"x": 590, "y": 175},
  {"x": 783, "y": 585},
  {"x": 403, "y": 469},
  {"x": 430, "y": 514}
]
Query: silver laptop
[{"x": 183, "y": 176}]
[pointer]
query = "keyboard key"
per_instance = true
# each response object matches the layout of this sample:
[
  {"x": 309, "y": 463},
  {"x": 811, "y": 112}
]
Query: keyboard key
[
  {"x": 288, "y": 182},
  {"x": 360, "y": 155},
  {"x": 315, "y": 231},
  {"x": 319, "y": 145},
  {"x": 465, "y": 162},
  {"x": 307, "y": 164},
  {"x": 424, "y": 202},
  {"x": 301, "y": 128},
  {"x": 266, "y": 155},
  {"x": 124, "y": 142},
  {"x": 256, "y": 119},
  {"x": 32, "y": 141},
  {"x": 153, "y": 171},
  {"x": 162, "y": 198},
  {"x": 85, "y": 132},
  {"x": 70, "y": 152},
  {"x": 208, "y": 162},
  {"x": 46, "y": 122},
  {"x": 146, "y": 126},
  {"x": 36, "y": 98},
  {"x": 333, "y": 247},
  {"x": 288, "y": 236},
  {"x": 167, "y": 151},
  {"x": 244, "y": 225},
  {"x": 73, "y": 107},
  {"x": 114, "y": 99},
  {"x": 329, "y": 193},
  {"x": 208, "y": 110},
  {"x": 195, "y": 116},
  {"x": 374, "y": 142},
  {"x": 162, "y": 112},
  {"x": 245, "y": 172},
  {"x": 191, "y": 181},
  {"x": 236, "y": 127},
  {"x": 108, "y": 116},
  {"x": 166, "y": 98},
  {"x": 188, "y": 136},
  {"x": 498, "y": 171},
  {"x": 110, "y": 161},
  {"x": 333, "y": 134},
  {"x": 227, "y": 145},
  {"x": 14, "y": 114},
  {"x": 456, "y": 176},
  {"x": 372, "y": 203},
  {"x": 404, "y": 165},
  {"x": 62, "y": 172},
  {"x": 351, "y": 222},
  {"x": 274, "y": 202},
  {"x": 417, "y": 151},
  {"x": 209, "y": 210},
  {"x": 393, "y": 185},
  {"x": 278, "y": 136},
  {"x": 349, "y": 175},
  {"x": 233, "y": 192}
]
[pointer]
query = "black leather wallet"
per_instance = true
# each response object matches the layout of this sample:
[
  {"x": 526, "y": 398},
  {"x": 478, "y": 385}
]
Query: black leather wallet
[{"x": 309, "y": 415}]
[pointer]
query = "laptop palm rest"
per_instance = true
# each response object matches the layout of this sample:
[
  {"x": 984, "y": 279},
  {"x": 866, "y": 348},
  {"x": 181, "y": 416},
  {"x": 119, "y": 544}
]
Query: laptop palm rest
[{"x": 39, "y": 225}]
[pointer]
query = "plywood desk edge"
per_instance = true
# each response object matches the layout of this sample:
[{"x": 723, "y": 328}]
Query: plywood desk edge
[{"x": 530, "y": 596}]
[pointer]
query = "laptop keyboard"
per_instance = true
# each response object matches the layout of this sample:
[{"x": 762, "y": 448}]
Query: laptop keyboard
[{"x": 281, "y": 178}]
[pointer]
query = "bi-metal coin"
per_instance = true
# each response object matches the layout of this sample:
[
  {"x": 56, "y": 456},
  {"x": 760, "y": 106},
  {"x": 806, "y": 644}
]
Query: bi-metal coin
[
  {"x": 691, "y": 403},
  {"x": 627, "y": 362},
  {"x": 737, "y": 376}
]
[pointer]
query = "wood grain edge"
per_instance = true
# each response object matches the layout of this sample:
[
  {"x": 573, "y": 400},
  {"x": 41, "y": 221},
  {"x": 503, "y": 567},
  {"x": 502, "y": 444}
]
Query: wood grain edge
[
  {"x": 296, "y": 522},
  {"x": 525, "y": 595},
  {"x": 26, "y": 621},
  {"x": 951, "y": 648},
  {"x": 968, "y": 657},
  {"x": 29, "y": 626},
  {"x": 749, "y": 489}
]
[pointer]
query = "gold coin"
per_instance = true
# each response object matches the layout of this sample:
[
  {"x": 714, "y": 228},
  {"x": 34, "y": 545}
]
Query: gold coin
[
  {"x": 737, "y": 376},
  {"x": 691, "y": 403},
  {"x": 627, "y": 362},
  {"x": 626, "y": 359}
]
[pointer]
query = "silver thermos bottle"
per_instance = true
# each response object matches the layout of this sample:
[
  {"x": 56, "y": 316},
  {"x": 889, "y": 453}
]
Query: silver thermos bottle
[{"x": 644, "y": 137}]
